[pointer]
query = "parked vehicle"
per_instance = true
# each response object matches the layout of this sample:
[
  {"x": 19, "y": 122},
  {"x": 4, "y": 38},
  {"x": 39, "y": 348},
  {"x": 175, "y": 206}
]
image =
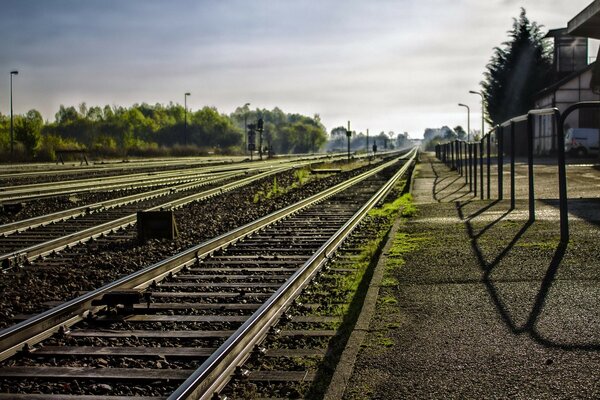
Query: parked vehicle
[{"x": 582, "y": 141}]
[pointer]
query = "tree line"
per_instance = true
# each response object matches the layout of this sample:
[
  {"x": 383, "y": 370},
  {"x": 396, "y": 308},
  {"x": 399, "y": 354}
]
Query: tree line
[
  {"x": 155, "y": 130},
  {"x": 358, "y": 141}
]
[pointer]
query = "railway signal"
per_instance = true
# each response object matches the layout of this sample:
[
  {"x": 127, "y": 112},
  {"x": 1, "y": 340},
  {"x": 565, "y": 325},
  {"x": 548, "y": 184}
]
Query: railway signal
[
  {"x": 251, "y": 138},
  {"x": 259, "y": 128}
]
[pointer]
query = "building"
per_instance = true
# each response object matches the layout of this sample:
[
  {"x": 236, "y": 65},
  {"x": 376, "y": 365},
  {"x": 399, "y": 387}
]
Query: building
[{"x": 573, "y": 77}]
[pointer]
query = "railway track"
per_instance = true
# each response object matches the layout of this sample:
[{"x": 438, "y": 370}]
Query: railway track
[
  {"x": 181, "y": 327},
  {"x": 16, "y": 188},
  {"x": 23, "y": 241},
  {"x": 28, "y": 192}
]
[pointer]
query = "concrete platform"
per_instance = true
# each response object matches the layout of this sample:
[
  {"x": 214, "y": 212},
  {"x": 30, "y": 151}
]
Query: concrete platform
[{"x": 477, "y": 302}]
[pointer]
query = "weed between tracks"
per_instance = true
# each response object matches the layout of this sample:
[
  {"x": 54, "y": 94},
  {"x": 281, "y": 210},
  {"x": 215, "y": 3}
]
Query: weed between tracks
[
  {"x": 271, "y": 190},
  {"x": 339, "y": 292}
]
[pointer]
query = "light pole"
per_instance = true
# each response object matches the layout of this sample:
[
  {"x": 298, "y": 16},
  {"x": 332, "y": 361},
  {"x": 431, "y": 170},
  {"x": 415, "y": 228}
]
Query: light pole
[
  {"x": 246, "y": 129},
  {"x": 482, "y": 110},
  {"x": 468, "y": 119},
  {"x": 185, "y": 118},
  {"x": 12, "y": 139}
]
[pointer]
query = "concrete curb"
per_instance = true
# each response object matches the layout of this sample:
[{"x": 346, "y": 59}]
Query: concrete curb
[{"x": 345, "y": 367}]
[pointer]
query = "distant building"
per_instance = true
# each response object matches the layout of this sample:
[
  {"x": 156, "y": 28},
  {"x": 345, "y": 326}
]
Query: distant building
[{"x": 573, "y": 78}]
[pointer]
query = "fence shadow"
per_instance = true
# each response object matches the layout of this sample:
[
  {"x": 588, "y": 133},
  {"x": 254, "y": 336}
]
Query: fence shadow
[
  {"x": 438, "y": 189},
  {"x": 587, "y": 209},
  {"x": 532, "y": 317}
]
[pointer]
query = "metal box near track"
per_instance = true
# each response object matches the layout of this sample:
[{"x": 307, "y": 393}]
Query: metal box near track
[{"x": 156, "y": 225}]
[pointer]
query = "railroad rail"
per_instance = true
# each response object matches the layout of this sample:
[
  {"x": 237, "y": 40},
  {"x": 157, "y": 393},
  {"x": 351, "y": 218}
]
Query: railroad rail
[
  {"x": 22, "y": 241},
  {"x": 27, "y": 192},
  {"x": 102, "y": 218},
  {"x": 272, "y": 258}
]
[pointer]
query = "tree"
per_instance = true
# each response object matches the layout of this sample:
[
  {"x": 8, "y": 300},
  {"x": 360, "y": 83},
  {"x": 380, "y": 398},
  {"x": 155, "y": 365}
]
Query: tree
[
  {"x": 516, "y": 71},
  {"x": 28, "y": 130},
  {"x": 460, "y": 132}
]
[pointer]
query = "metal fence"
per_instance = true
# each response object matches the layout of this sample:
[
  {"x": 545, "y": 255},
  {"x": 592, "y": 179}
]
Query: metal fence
[{"x": 465, "y": 156}]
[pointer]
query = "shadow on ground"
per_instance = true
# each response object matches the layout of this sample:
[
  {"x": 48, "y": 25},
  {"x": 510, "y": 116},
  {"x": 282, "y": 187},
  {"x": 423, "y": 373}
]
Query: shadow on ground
[
  {"x": 451, "y": 184},
  {"x": 530, "y": 323},
  {"x": 587, "y": 209}
]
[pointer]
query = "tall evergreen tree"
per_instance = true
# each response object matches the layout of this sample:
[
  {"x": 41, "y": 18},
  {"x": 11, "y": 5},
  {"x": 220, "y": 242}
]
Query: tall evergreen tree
[{"x": 517, "y": 71}]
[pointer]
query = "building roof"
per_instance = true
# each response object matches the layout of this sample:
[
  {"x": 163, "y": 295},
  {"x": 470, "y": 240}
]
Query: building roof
[
  {"x": 562, "y": 81},
  {"x": 587, "y": 22}
]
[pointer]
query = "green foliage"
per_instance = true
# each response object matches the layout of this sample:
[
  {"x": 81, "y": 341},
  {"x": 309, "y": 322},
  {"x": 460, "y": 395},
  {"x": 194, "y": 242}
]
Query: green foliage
[
  {"x": 517, "y": 71},
  {"x": 28, "y": 131},
  {"x": 147, "y": 130},
  {"x": 50, "y": 143},
  {"x": 286, "y": 133},
  {"x": 270, "y": 191},
  {"x": 403, "y": 204},
  {"x": 4, "y": 132},
  {"x": 302, "y": 175}
]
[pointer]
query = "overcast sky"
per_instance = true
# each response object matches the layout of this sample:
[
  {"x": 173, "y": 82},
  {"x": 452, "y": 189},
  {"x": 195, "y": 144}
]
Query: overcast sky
[{"x": 397, "y": 65}]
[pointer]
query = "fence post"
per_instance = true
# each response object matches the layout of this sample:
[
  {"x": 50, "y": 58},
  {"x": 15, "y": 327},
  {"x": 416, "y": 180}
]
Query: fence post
[
  {"x": 474, "y": 169},
  {"x": 499, "y": 133},
  {"x": 512, "y": 165},
  {"x": 530, "y": 167},
  {"x": 466, "y": 163},
  {"x": 470, "y": 147},
  {"x": 489, "y": 163},
  {"x": 481, "y": 165}
]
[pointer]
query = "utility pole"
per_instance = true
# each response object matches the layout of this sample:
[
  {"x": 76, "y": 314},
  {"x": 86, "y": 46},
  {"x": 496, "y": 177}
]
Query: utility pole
[{"x": 12, "y": 138}]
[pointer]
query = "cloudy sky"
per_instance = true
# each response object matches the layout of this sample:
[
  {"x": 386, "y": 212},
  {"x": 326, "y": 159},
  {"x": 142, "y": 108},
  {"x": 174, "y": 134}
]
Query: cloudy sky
[{"x": 400, "y": 65}]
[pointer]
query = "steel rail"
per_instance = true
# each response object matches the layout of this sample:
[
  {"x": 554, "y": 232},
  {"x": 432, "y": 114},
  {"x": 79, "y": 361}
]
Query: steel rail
[
  {"x": 108, "y": 166},
  {"x": 74, "y": 212},
  {"x": 30, "y": 192},
  {"x": 51, "y": 189},
  {"x": 12, "y": 259},
  {"x": 215, "y": 372},
  {"x": 17, "y": 257},
  {"x": 43, "y": 325},
  {"x": 278, "y": 159}
]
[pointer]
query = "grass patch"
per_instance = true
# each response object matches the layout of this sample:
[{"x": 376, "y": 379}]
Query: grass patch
[
  {"x": 387, "y": 300},
  {"x": 403, "y": 205},
  {"x": 551, "y": 244},
  {"x": 272, "y": 190},
  {"x": 385, "y": 342},
  {"x": 388, "y": 281},
  {"x": 403, "y": 243}
]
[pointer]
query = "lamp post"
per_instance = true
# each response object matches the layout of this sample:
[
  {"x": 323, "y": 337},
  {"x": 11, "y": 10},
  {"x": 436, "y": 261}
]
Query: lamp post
[
  {"x": 185, "y": 118},
  {"x": 468, "y": 119},
  {"x": 246, "y": 129},
  {"x": 482, "y": 110},
  {"x": 481, "y": 144},
  {"x": 12, "y": 139}
]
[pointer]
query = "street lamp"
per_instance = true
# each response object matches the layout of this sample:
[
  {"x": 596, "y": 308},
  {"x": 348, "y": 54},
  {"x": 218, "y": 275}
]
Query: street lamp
[
  {"x": 468, "y": 119},
  {"x": 246, "y": 128},
  {"x": 185, "y": 118},
  {"x": 12, "y": 140},
  {"x": 482, "y": 109}
]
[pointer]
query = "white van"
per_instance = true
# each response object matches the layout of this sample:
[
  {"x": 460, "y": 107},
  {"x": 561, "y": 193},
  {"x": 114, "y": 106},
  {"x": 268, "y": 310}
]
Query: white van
[{"x": 581, "y": 141}]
